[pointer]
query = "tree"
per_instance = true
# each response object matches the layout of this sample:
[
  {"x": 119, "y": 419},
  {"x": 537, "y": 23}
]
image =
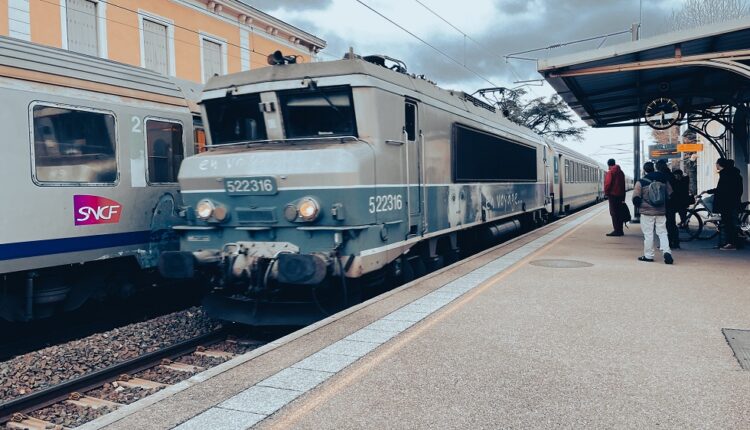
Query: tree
[
  {"x": 547, "y": 117},
  {"x": 695, "y": 13},
  {"x": 664, "y": 137}
]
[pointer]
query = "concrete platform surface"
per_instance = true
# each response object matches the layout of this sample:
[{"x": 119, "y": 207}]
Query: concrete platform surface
[{"x": 513, "y": 338}]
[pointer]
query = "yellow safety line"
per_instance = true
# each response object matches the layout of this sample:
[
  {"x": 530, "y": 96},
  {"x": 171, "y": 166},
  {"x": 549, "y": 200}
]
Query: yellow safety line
[{"x": 329, "y": 390}]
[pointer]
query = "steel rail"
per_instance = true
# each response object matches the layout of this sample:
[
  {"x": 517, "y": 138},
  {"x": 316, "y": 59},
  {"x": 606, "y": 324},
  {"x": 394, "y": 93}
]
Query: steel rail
[{"x": 51, "y": 395}]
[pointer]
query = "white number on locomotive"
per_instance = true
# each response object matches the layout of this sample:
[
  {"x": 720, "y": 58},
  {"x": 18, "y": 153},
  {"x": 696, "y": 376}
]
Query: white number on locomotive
[
  {"x": 385, "y": 203},
  {"x": 250, "y": 186}
]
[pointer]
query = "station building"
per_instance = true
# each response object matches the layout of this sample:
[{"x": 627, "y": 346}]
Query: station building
[{"x": 187, "y": 39}]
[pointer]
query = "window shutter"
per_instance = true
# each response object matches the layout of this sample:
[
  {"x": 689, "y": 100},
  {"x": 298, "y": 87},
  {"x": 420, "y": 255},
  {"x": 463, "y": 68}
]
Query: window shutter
[
  {"x": 81, "y": 22},
  {"x": 155, "y": 47},
  {"x": 211, "y": 59}
]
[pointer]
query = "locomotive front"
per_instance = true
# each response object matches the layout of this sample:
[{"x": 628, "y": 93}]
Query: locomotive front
[{"x": 272, "y": 222}]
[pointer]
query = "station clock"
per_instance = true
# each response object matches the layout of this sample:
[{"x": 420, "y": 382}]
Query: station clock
[{"x": 662, "y": 113}]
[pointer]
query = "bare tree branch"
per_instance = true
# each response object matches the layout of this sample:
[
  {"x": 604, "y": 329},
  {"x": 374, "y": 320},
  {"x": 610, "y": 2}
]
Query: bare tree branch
[{"x": 695, "y": 13}]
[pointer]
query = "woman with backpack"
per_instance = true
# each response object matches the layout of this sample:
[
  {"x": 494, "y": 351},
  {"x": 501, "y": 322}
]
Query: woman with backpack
[{"x": 650, "y": 195}]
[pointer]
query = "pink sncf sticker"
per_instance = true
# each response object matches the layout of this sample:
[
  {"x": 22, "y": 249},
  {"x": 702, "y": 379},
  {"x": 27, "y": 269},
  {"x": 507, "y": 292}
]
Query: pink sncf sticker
[{"x": 90, "y": 210}]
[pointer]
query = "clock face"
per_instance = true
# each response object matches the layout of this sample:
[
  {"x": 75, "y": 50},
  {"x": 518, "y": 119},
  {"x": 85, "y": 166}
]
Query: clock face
[{"x": 662, "y": 113}]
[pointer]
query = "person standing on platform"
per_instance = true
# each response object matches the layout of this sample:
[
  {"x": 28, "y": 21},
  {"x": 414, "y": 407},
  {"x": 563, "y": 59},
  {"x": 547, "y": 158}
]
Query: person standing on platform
[
  {"x": 727, "y": 196},
  {"x": 671, "y": 207},
  {"x": 614, "y": 191},
  {"x": 681, "y": 194},
  {"x": 650, "y": 195}
]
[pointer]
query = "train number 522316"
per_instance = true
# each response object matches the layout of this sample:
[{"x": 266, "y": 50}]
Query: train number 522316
[{"x": 385, "y": 203}]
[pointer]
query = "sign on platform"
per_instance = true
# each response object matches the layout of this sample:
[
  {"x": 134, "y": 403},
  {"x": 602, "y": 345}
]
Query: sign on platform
[
  {"x": 690, "y": 147},
  {"x": 656, "y": 152}
]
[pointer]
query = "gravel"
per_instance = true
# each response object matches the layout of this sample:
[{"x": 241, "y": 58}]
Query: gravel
[
  {"x": 163, "y": 375},
  {"x": 40, "y": 369},
  {"x": 201, "y": 361},
  {"x": 119, "y": 394},
  {"x": 236, "y": 346},
  {"x": 69, "y": 415}
]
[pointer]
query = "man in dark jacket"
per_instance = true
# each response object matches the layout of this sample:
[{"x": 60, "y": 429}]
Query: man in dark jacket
[
  {"x": 614, "y": 191},
  {"x": 681, "y": 194},
  {"x": 671, "y": 209},
  {"x": 727, "y": 196}
]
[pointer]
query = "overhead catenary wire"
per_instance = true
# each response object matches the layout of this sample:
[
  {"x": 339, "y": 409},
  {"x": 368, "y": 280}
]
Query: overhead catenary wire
[
  {"x": 478, "y": 43},
  {"x": 439, "y": 51}
]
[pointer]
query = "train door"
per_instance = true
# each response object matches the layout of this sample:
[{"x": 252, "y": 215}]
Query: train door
[
  {"x": 548, "y": 190},
  {"x": 563, "y": 178},
  {"x": 412, "y": 136}
]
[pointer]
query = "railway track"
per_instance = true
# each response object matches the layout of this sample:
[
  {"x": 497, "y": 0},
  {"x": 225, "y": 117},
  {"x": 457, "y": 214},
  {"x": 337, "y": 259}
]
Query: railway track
[{"x": 91, "y": 391}]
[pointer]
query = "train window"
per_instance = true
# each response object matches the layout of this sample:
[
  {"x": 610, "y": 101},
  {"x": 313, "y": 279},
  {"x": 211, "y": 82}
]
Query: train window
[
  {"x": 235, "y": 119},
  {"x": 410, "y": 121},
  {"x": 73, "y": 146},
  {"x": 165, "y": 150},
  {"x": 199, "y": 138},
  {"x": 479, "y": 156},
  {"x": 318, "y": 113}
]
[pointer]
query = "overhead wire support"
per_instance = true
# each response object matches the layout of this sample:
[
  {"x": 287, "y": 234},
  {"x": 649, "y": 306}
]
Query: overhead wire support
[
  {"x": 515, "y": 55},
  {"x": 426, "y": 43}
]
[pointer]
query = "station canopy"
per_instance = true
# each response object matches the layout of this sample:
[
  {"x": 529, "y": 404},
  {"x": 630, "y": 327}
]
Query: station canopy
[{"x": 701, "y": 69}]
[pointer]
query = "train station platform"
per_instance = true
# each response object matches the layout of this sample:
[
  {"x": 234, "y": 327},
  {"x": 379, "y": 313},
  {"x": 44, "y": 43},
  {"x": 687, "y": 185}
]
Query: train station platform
[{"x": 560, "y": 328}]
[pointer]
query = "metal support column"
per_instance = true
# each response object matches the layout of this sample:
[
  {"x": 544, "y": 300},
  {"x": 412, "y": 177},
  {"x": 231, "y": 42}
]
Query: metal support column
[{"x": 635, "y": 29}]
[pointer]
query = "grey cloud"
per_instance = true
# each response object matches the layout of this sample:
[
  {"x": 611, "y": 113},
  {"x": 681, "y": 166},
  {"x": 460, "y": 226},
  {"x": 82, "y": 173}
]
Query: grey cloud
[
  {"x": 558, "y": 21},
  {"x": 513, "y": 7},
  {"x": 272, "y": 5}
]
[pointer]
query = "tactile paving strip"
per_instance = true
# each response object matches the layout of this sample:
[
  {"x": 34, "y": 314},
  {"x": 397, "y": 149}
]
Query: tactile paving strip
[{"x": 739, "y": 341}]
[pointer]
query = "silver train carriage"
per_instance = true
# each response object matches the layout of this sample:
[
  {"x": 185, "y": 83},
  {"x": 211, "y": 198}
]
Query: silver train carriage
[
  {"x": 329, "y": 174},
  {"x": 90, "y": 162}
]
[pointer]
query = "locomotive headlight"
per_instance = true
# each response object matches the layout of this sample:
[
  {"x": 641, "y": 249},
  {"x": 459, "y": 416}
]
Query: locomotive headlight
[
  {"x": 204, "y": 209},
  {"x": 308, "y": 209}
]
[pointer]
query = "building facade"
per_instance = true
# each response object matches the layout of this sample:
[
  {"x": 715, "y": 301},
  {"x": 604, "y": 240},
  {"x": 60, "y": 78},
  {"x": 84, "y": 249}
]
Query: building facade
[{"x": 188, "y": 39}]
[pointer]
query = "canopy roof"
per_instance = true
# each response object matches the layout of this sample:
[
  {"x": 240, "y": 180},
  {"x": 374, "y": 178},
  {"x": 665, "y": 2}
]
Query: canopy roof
[{"x": 698, "y": 68}]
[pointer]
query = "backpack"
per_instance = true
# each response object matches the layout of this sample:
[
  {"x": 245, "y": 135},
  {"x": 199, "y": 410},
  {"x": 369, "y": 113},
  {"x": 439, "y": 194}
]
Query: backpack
[{"x": 654, "y": 193}]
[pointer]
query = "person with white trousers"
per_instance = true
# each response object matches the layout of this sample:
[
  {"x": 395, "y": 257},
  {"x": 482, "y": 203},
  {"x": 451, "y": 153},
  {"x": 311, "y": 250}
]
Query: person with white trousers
[{"x": 653, "y": 208}]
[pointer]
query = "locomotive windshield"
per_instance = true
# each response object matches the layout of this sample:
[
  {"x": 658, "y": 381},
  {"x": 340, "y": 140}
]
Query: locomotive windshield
[
  {"x": 318, "y": 112},
  {"x": 234, "y": 120}
]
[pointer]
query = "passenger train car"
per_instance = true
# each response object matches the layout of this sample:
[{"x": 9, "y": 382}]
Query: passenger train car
[
  {"x": 89, "y": 170},
  {"x": 324, "y": 176}
]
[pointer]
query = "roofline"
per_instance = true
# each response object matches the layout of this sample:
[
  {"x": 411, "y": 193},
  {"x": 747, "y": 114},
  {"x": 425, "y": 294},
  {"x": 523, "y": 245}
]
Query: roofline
[
  {"x": 657, "y": 41},
  {"x": 254, "y": 13}
]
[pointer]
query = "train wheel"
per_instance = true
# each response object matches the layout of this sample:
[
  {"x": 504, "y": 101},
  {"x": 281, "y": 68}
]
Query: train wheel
[
  {"x": 451, "y": 256},
  {"x": 435, "y": 263},
  {"x": 407, "y": 272},
  {"x": 418, "y": 266}
]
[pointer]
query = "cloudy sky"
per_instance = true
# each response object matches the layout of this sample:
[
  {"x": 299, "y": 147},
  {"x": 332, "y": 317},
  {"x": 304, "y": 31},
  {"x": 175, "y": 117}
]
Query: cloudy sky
[{"x": 500, "y": 27}]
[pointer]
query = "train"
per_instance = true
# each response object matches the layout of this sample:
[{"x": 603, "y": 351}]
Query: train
[
  {"x": 91, "y": 156},
  {"x": 321, "y": 180}
]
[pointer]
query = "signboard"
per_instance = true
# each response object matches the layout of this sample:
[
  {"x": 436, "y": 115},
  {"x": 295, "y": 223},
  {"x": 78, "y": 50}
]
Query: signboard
[
  {"x": 690, "y": 147},
  {"x": 656, "y": 152}
]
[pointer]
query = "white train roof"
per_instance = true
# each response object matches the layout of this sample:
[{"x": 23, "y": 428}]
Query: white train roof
[{"x": 34, "y": 62}]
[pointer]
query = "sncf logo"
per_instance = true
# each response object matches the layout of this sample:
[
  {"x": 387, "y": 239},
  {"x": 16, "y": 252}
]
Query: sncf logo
[{"x": 95, "y": 210}]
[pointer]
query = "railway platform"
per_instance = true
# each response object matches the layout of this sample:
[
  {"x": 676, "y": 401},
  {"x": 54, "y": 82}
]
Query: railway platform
[{"x": 560, "y": 328}]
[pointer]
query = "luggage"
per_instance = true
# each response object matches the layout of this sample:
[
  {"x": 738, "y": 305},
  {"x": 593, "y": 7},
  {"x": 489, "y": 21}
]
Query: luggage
[{"x": 625, "y": 215}]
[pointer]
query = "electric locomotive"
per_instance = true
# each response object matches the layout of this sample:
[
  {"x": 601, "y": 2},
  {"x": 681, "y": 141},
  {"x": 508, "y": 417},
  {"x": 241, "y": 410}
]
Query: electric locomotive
[{"x": 322, "y": 179}]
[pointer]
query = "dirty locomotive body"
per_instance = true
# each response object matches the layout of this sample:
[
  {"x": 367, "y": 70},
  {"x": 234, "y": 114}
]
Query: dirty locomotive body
[{"x": 323, "y": 180}]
